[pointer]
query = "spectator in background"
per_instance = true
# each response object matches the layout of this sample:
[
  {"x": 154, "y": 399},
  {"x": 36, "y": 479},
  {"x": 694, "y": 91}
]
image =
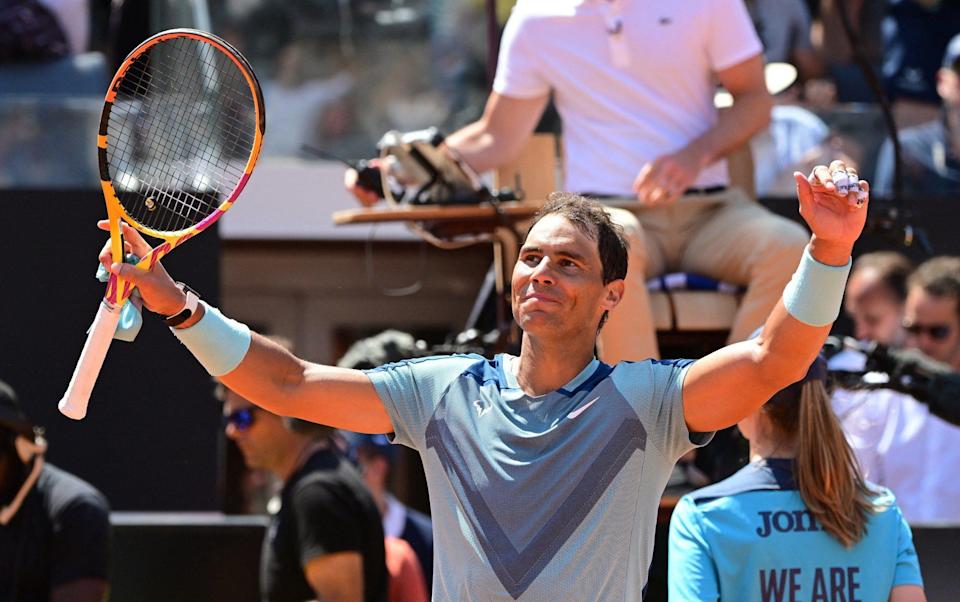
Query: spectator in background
[
  {"x": 932, "y": 310},
  {"x": 54, "y": 527},
  {"x": 325, "y": 539},
  {"x": 930, "y": 153},
  {"x": 375, "y": 454},
  {"x": 780, "y": 528},
  {"x": 915, "y": 34},
  {"x": 784, "y": 29},
  {"x": 796, "y": 139},
  {"x": 847, "y": 82},
  {"x": 898, "y": 442},
  {"x": 42, "y": 30},
  {"x": 876, "y": 291},
  {"x": 305, "y": 105}
]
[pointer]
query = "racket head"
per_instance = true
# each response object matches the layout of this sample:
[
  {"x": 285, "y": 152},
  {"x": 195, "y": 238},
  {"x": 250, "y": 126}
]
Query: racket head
[{"x": 181, "y": 130}]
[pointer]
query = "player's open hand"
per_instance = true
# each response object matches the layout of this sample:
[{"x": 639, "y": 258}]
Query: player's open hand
[
  {"x": 833, "y": 202},
  {"x": 160, "y": 293}
]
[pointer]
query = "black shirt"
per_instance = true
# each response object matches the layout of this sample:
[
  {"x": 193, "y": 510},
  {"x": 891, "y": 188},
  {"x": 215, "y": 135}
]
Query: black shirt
[
  {"x": 60, "y": 534},
  {"x": 325, "y": 508}
]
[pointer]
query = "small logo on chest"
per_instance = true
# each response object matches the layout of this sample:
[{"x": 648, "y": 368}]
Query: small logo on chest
[
  {"x": 482, "y": 407},
  {"x": 582, "y": 408}
]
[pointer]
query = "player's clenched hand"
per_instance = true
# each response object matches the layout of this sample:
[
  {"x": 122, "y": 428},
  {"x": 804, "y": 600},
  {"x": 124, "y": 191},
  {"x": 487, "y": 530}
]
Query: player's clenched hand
[
  {"x": 159, "y": 292},
  {"x": 833, "y": 202}
]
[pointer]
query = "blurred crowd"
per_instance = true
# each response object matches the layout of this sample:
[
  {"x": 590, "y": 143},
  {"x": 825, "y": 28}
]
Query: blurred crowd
[{"x": 346, "y": 72}]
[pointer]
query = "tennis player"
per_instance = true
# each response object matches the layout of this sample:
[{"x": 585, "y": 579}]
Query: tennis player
[{"x": 545, "y": 470}]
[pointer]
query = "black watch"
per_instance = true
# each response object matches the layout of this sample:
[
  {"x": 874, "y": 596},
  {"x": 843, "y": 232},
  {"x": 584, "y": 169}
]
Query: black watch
[{"x": 189, "y": 308}]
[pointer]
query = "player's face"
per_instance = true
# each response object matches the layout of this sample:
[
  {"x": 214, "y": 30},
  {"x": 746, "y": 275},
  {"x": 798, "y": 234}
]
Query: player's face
[
  {"x": 876, "y": 312},
  {"x": 557, "y": 285},
  {"x": 932, "y": 326},
  {"x": 255, "y": 431}
]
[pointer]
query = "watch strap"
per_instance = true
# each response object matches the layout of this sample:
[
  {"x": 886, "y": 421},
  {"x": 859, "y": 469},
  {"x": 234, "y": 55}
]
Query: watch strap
[{"x": 189, "y": 308}]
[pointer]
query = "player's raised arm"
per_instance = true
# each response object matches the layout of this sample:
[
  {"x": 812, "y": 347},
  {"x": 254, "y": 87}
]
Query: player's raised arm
[
  {"x": 159, "y": 168},
  {"x": 732, "y": 382},
  {"x": 252, "y": 365}
]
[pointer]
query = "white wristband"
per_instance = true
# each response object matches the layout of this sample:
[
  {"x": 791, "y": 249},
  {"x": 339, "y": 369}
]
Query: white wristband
[
  {"x": 218, "y": 342},
  {"x": 815, "y": 293}
]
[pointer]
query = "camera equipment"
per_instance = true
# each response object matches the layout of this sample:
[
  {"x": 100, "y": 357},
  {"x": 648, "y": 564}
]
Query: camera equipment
[
  {"x": 905, "y": 370},
  {"x": 417, "y": 169}
]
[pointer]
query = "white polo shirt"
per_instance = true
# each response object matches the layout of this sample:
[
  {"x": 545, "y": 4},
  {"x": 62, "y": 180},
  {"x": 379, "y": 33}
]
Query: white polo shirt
[{"x": 617, "y": 117}]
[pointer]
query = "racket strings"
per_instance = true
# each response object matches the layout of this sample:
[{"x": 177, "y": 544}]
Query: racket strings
[
  {"x": 180, "y": 204},
  {"x": 180, "y": 133}
]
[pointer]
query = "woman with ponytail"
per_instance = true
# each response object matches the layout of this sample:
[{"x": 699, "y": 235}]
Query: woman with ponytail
[{"x": 798, "y": 522}]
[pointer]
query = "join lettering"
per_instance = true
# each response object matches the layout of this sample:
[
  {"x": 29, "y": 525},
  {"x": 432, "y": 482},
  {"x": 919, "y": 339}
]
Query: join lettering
[{"x": 785, "y": 522}]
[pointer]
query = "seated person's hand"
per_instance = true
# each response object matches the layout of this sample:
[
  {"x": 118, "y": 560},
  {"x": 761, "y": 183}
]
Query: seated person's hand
[
  {"x": 361, "y": 183},
  {"x": 666, "y": 178}
]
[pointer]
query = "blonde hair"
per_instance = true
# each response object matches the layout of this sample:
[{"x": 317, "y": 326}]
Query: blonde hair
[{"x": 826, "y": 470}]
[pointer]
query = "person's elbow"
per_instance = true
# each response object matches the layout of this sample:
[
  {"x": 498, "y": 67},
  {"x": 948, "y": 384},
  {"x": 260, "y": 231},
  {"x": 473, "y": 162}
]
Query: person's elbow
[
  {"x": 762, "y": 108},
  {"x": 336, "y": 577},
  {"x": 908, "y": 593}
]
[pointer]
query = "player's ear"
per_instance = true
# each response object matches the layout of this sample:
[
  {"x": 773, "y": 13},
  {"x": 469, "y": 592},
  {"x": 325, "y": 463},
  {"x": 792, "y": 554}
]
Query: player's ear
[{"x": 614, "y": 294}]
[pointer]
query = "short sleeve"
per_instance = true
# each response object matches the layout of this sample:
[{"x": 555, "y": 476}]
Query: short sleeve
[
  {"x": 519, "y": 70},
  {"x": 81, "y": 540},
  {"x": 655, "y": 388},
  {"x": 731, "y": 37},
  {"x": 691, "y": 571},
  {"x": 410, "y": 391},
  {"x": 908, "y": 565},
  {"x": 326, "y": 522}
]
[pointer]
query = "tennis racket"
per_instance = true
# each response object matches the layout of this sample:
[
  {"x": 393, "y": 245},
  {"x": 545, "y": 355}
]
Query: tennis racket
[{"x": 180, "y": 132}]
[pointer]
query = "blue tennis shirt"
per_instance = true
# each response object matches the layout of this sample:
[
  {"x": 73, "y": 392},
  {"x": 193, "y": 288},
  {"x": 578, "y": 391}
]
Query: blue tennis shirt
[
  {"x": 750, "y": 537},
  {"x": 552, "y": 497}
]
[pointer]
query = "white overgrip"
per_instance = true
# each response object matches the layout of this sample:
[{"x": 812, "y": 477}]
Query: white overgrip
[{"x": 74, "y": 402}]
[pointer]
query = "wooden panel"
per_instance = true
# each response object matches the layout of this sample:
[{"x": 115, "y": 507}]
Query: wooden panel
[{"x": 535, "y": 170}]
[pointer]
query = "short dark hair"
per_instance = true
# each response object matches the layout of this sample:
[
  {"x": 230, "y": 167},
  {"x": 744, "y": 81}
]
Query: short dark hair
[
  {"x": 590, "y": 217},
  {"x": 939, "y": 277},
  {"x": 12, "y": 416},
  {"x": 387, "y": 347},
  {"x": 892, "y": 269}
]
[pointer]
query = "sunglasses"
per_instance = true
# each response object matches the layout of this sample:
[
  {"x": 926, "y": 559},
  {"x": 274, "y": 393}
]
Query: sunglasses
[
  {"x": 937, "y": 332},
  {"x": 241, "y": 419}
]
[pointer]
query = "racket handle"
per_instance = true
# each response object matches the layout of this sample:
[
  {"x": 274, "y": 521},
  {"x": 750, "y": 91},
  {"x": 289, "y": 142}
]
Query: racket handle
[{"x": 74, "y": 402}]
